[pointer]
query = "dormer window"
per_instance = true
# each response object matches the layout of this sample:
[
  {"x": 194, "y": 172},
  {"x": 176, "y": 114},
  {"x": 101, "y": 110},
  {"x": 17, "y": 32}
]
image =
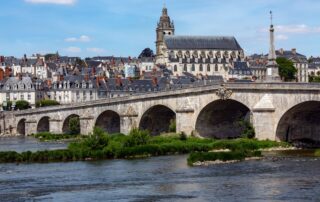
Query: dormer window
[
  {"x": 84, "y": 85},
  {"x": 8, "y": 87},
  {"x": 90, "y": 84}
]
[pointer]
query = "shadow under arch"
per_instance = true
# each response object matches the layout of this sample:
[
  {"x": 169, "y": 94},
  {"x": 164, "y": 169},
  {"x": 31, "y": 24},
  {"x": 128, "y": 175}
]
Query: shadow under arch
[
  {"x": 109, "y": 121},
  {"x": 21, "y": 127},
  {"x": 43, "y": 125},
  {"x": 300, "y": 123},
  {"x": 219, "y": 119},
  {"x": 157, "y": 119},
  {"x": 66, "y": 124}
]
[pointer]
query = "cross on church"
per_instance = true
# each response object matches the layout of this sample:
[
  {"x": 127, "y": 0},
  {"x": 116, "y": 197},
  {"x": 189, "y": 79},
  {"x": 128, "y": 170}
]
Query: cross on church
[{"x": 271, "y": 17}]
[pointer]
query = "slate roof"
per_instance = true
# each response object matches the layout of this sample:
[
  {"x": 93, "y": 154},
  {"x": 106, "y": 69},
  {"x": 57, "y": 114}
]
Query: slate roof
[{"x": 202, "y": 42}]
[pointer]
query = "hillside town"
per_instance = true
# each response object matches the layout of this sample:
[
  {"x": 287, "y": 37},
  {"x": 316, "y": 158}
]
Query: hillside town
[{"x": 179, "y": 61}]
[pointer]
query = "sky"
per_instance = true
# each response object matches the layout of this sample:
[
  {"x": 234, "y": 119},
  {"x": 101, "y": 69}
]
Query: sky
[{"x": 89, "y": 28}]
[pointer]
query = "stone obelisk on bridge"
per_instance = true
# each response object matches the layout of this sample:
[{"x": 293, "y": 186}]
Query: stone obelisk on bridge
[{"x": 272, "y": 66}]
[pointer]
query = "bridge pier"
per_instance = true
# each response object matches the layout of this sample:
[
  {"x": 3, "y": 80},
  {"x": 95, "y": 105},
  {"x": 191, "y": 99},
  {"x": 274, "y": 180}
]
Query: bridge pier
[
  {"x": 184, "y": 121},
  {"x": 30, "y": 127},
  {"x": 55, "y": 126},
  {"x": 86, "y": 125},
  {"x": 263, "y": 118},
  {"x": 128, "y": 122}
]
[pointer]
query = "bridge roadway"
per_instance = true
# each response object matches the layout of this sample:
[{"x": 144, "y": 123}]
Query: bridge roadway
[{"x": 278, "y": 111}]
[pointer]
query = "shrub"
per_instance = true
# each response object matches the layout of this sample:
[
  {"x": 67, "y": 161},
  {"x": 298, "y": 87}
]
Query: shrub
[
  {"x": 183, "y": 136},
  {"x": 46, "y": 103},
  {"x": 22, "y": 104},
  {"x": 172, "y": 126},
  {"x": 74, "y": 126},
  {"x": 137, "y": 137},
  {"x": 247, "y": 130},
  {"x": 8, "y": 107}
]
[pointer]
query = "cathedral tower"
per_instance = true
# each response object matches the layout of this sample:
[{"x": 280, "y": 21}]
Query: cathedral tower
[{"x": 165, "y": 27}]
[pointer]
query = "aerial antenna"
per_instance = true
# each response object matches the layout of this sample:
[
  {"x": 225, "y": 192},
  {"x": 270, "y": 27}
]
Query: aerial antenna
[
  {"x": 164, "y": 3},
  {"x": 271, "y": 17}
]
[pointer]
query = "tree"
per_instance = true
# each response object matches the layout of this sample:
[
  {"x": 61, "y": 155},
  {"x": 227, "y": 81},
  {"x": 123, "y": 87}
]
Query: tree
[
  {"x": 287, "y": 71},
  {"x": 22, "y": 104},
  {"x": 146, "y": 53}
]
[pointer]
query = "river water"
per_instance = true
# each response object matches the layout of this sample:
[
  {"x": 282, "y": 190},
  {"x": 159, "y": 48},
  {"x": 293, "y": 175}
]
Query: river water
[{"x": 168, "y": 178}]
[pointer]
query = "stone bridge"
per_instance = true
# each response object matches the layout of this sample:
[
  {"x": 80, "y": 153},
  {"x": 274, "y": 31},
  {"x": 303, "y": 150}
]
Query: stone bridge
[{"x": 278, "y": 111}]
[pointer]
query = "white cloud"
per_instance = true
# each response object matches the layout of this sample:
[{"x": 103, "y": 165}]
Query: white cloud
[
  {"x": 282, "y": 37},
  {"x": 61, "y": 2},
  {"x": 294, "y": 29},
  {"x": 82, "y": 38},
  {"x": 96, "y": 50},
  {"x": 73, "y": 49}
]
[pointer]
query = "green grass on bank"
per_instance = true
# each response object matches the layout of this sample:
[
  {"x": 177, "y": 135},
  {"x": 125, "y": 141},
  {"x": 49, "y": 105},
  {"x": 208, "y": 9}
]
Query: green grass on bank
[
  {"x": 100, "y": 145},
  {"x": 47, "y": 136}
]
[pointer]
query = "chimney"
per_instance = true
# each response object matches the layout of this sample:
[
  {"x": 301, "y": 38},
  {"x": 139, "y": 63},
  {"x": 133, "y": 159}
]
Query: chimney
[
  {"x": 1, "y": 74},
  {"x": 118, "y": 81},
  {"x": 49, "y": 83},
  {"x": 294, "y": 51},
  {"x": 60, "y": 78},
  {"x": 86, "y": 77},
  {"x": 281, "y": 51},
  {"x": 154, "y": 81}
]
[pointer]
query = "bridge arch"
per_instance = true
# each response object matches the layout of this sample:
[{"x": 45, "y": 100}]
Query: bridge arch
[
  {"x": 21, "y": 127},
  {"x": 300, "y": 123},
  {"x": 43, "y": 125},
  {"x": 157, "y": 119},
  {"x": 66, "y": 124},
  {"x": 109, "y": 121},
  {"x": 218, "y": 119}
]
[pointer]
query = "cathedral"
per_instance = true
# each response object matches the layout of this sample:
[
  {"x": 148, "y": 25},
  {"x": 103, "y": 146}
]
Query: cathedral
[{"x": 199, "y": 55}]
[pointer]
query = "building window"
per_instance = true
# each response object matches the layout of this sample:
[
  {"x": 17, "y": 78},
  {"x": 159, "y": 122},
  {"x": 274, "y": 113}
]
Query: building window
[
  {"x": 185, "y": 68},
  {"x": 193, "y": 68},
  {"x": 175, "y": 68},
  {"x": 208, "y": 68},
  {"x": 21, "y": 97},
  {"x": 201, "y": 68},
  {"x": 216, "y": 68}
]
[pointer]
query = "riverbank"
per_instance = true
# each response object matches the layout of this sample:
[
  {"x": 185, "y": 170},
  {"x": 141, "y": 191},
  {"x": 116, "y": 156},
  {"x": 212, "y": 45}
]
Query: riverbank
[{"x": 138, "y": 144}]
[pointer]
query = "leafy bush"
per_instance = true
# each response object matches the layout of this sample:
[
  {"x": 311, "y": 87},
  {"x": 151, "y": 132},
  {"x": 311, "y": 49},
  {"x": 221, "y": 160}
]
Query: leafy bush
[
  {"x": 247, "y": 130},
  {"x": 137, "y": 137},
  {"x": 74, "y": 125},
  {"x": 8, "y": 107},
  {"x": 22, "y": 104},
  {"x": 183, "y": 136},
  {"x": 172, "y": 126},
  {"x": 47, "y": 136},
  {"x": 46, "y": 103}
]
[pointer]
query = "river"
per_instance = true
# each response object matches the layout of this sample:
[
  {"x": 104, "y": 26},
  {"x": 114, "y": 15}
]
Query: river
[{"x": 167, "y": 178}]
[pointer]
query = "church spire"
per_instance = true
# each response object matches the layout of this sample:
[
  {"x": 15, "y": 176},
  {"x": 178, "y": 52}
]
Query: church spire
[{"x": 272, "y": 66}]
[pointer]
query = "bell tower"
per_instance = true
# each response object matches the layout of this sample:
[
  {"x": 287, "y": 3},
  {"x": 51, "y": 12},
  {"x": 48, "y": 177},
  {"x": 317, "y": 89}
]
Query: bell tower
[{"x": 165, "y": 27}]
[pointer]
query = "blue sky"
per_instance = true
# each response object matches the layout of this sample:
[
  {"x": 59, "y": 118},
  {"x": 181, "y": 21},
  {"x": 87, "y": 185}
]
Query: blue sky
[{"x": 125, "y": 27}]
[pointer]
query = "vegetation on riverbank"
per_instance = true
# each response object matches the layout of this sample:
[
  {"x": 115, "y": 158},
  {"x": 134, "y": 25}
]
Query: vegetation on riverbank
[
  {"x": 137, "y": 144},
  {"x": 317, "y": 153},
  {"x": 47, "y": 136}
]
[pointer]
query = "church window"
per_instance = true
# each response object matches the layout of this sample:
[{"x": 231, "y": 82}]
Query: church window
[{"x": 175, "y": 68}]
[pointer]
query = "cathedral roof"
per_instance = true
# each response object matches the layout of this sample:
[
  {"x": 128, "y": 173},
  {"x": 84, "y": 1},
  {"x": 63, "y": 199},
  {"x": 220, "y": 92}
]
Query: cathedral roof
[{"x": 202, "y": 42}]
